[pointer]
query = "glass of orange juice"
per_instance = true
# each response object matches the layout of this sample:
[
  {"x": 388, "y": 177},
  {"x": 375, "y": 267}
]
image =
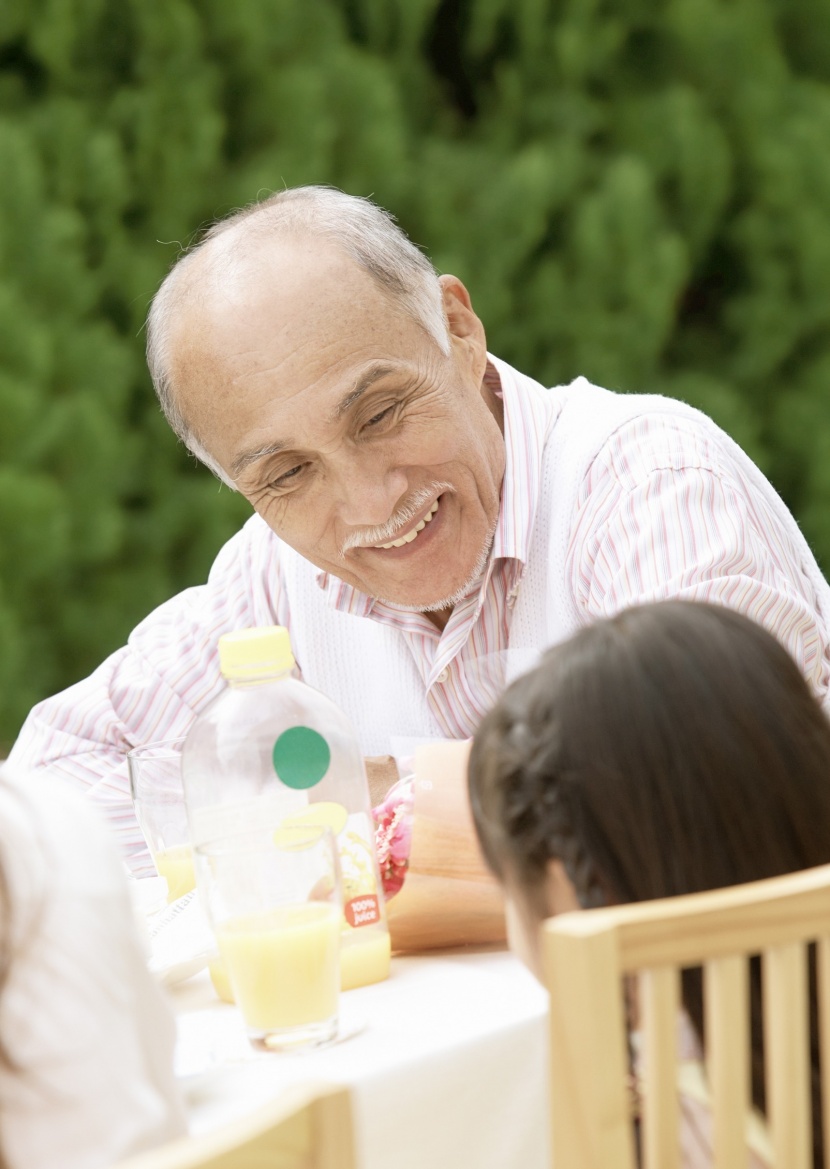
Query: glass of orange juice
[
  {"x": 158, "y": 798},
  {"x": 274, "y": 900}
]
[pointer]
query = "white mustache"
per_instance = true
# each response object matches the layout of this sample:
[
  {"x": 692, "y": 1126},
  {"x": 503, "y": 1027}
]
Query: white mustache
[{"x": 385, "y": 533}]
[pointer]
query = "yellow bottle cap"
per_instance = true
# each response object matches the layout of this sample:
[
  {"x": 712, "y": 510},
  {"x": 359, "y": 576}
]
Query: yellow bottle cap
[{"x": 255, "y": 653}]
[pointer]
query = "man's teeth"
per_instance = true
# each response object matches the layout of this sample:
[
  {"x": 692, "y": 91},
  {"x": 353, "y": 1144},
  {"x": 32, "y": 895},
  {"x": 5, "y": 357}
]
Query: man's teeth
[{"x": 410, "y": 536}]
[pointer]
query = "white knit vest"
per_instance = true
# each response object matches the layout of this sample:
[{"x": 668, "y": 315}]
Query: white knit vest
[{"x": 367, "y": 668}]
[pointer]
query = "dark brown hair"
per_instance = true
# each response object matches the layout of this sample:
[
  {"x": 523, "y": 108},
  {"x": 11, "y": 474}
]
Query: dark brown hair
[{"x": 673, "y": 748}]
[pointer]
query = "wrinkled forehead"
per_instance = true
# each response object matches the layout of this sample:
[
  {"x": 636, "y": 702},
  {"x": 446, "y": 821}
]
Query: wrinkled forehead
[
  {"x": 232, "y": 300},
  {"x": 288, "y": 312},
  {"x": 269, "y": 275}
]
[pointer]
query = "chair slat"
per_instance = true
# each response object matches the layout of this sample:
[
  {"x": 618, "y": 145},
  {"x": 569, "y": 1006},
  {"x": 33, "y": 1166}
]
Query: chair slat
[
  {"x": 787, "y": 1054},
  {"x": 591, "y": 1123},
  {"x": 660, "y": 1000},
  {"x": 823, "y": 977},
  {"x": 726, "y": 1003}
]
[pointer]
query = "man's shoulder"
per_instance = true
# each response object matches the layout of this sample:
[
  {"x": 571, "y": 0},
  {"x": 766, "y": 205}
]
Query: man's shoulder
[
  {"x": 633, "y": 434},
  {"x": 606, "y": 410}
]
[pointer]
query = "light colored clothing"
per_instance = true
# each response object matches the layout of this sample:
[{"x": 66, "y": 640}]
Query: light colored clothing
[
  {"x": 83, "y": 1022},
  {"x": 608, "y": 500}
]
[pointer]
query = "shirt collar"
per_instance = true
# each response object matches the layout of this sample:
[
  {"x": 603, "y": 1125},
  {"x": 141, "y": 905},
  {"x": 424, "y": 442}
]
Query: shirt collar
[
  {"x": 528, "y": 414},
  {"x": 527, "y": 418}
]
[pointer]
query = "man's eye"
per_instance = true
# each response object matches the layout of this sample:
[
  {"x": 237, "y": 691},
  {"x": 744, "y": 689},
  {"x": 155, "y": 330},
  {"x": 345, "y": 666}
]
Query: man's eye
[
  {"x": 286, "y": 476},
  {"x": 376, "y": 418}
]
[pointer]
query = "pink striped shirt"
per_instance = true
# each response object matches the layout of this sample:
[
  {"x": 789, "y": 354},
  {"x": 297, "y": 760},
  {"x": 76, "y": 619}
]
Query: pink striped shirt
[{"x": 644, "y": 527}]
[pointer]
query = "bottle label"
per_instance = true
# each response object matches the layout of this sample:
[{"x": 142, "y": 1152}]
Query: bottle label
[
  {"x": 357, "y": 859},
  {"x": 362, "y": 910}
]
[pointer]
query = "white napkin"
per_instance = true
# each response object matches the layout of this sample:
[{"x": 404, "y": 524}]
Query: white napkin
[{"x": 181, "y": 941}]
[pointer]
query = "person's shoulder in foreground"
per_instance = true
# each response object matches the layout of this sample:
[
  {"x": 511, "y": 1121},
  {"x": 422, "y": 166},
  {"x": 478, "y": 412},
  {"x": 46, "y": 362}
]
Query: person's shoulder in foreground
[{"x": 87, "y": 1077}]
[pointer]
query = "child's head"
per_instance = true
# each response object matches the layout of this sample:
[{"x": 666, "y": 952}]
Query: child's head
[{"x": 672, "y": 748}]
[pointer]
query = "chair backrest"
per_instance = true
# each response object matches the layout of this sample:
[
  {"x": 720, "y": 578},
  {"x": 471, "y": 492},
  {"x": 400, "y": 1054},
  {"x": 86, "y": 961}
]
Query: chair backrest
[
  {"x": 588, "y": 954},
  {"x": 308, "y": 1128}
]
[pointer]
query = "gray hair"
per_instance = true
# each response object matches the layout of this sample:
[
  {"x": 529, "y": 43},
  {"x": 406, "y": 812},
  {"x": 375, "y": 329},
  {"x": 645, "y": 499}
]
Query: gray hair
[{"x": 364, "y": 231}]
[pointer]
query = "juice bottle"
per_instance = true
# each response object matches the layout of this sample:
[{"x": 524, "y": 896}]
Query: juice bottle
[{"x": 271, "y": 751}]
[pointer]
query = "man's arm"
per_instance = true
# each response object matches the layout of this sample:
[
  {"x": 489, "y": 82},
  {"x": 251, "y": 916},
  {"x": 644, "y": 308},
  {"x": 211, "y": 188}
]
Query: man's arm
[
  {"x": 667, "y": 512},
  {"x": 154, "y": 687}
]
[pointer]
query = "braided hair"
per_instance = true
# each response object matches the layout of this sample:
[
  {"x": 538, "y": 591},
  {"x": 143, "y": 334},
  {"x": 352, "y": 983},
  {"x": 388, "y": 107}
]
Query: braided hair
[{"x": 532, "y": 815}]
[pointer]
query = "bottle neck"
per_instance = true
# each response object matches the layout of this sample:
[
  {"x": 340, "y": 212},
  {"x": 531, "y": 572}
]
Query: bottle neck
[{"x": 257, "y": 679}]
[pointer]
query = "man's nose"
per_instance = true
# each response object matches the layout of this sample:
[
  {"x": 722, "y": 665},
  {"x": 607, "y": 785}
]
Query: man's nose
[{"x": 369, "y": 493}]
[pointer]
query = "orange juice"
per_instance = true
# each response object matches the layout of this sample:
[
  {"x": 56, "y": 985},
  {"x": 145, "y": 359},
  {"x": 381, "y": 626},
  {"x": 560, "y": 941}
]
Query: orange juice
[
  {"x": 365, "y": 955},
  {"x": 283, "y": 964},
  {"x": 219, "y": 978},
  {"x": 176, "y": 866}
]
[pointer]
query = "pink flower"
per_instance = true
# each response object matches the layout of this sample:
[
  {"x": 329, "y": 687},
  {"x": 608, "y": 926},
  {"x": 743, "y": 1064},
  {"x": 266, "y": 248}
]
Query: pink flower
[{"x": 393, "y": 836}]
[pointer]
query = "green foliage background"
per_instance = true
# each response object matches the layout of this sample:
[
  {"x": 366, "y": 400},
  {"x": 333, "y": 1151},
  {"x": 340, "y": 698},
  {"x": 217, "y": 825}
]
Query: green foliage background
[{"x": 636, "y": 190}]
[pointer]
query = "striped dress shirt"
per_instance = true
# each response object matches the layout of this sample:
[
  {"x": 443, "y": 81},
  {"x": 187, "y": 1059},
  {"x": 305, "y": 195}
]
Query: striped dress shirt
[{"x": 639, "y": 532}]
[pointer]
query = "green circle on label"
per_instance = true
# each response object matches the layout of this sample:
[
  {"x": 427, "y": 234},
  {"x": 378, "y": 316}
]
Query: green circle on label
[{"x": 301, "y": 757}]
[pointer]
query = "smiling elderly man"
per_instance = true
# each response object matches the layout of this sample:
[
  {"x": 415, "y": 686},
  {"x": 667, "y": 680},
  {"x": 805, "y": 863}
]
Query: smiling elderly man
[{"x": 423, "y": 510}]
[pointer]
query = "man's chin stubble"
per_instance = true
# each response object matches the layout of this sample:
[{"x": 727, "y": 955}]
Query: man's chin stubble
[{"x": 459, "y": 594}]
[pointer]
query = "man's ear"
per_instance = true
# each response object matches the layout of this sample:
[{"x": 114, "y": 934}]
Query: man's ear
[{"x": 465, "y": 327}]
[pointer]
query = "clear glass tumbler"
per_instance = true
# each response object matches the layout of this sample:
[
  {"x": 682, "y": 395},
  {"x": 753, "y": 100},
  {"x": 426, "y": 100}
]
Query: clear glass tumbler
[
  {"x": 274, "y": 899},
  {"x": 158, "y": 798}
]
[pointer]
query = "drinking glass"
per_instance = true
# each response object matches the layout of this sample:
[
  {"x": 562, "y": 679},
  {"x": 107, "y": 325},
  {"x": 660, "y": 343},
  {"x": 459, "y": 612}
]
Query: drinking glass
[
  {"x": 158, "y": 798},
  {"x": 274, "y": 899}
]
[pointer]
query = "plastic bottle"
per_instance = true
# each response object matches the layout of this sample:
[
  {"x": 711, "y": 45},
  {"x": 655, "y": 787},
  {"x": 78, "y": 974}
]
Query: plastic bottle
[{"x": 271, "y": 748}]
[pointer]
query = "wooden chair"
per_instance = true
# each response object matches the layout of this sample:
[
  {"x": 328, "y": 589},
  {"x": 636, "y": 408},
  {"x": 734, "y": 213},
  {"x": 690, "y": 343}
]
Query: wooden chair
[
  {"x": 309, "y": 1128},
  {"x": 586, "y": 957}
]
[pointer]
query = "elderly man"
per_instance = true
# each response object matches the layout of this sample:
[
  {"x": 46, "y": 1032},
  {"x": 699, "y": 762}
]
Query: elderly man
[{"x": 423, "y": 510}]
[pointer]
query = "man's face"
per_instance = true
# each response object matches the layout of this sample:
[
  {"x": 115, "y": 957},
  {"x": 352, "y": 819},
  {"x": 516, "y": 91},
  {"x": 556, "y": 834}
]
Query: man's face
[{"x": 361, "y": 444}]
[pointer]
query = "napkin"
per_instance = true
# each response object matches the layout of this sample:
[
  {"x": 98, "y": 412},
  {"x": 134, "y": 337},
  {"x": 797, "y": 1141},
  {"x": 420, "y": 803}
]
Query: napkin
[{"x": 181, "y": 941}]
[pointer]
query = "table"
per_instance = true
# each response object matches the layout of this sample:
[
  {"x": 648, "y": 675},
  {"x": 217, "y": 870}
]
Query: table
[{"x": 446, "y": 1062}]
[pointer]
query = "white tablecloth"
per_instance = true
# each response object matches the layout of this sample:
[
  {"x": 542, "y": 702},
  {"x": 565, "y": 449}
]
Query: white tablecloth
[{"x": 446, "y": 1063}]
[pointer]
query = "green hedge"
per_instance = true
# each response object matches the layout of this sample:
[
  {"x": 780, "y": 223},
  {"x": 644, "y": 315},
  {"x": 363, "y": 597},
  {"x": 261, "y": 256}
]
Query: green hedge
[{"x": 637, "y": 191}]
